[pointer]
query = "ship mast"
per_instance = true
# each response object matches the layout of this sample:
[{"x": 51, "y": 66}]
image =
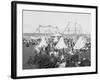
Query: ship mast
[{"x": 67, "y": 28}]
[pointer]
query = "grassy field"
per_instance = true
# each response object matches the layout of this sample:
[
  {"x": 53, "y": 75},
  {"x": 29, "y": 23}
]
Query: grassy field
[{"x": 27, "y": 51}]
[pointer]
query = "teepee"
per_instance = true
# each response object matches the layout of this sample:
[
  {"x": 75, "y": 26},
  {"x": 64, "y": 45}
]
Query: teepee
[
  {"x": 55, "y": 39},
  {"x": 43, "y": 42},
  {"x": 61, "y": 44},
  {"x": 80, "y": 43}
]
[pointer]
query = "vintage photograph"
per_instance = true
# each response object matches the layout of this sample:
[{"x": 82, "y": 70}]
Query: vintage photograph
[{"x": 55, "y": 39}]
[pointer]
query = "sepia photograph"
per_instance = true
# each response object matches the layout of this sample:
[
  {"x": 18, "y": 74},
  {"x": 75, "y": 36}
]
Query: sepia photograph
[{"x": 53, "y": 39}]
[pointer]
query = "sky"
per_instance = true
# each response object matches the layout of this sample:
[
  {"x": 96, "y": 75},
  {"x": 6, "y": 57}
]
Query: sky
[{"x": 32, "y": 20}]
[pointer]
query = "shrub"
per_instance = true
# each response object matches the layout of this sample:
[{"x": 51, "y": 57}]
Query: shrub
[{"x": 44, "y": 61}]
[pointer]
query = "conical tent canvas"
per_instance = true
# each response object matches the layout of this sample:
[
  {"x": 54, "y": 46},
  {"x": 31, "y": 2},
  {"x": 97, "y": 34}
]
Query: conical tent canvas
[
  {"x": 61, "y": 44},
  {"x": 80, "y": 43},
  {"x": 43, "y": 42},
  {"x": 55, "y": 39}
]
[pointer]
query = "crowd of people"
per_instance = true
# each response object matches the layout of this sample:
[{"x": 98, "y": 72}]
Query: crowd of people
[{"x": 58, "y": 51}]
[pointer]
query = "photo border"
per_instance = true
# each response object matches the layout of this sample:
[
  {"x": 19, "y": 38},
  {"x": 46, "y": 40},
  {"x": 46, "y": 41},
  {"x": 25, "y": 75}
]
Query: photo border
[{"x": 14, "y": 38}]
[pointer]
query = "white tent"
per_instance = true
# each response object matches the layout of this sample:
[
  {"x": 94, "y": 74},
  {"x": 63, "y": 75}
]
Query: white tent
[
  {"x": 43, "y": 42},
  {"x": 80, "y": 43},
  {"x": 55, "y": 39},
  {"x": 56, "y": 34},
  {"x": 61, "y": 44},
  {"x": 32, "y": 37}
]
